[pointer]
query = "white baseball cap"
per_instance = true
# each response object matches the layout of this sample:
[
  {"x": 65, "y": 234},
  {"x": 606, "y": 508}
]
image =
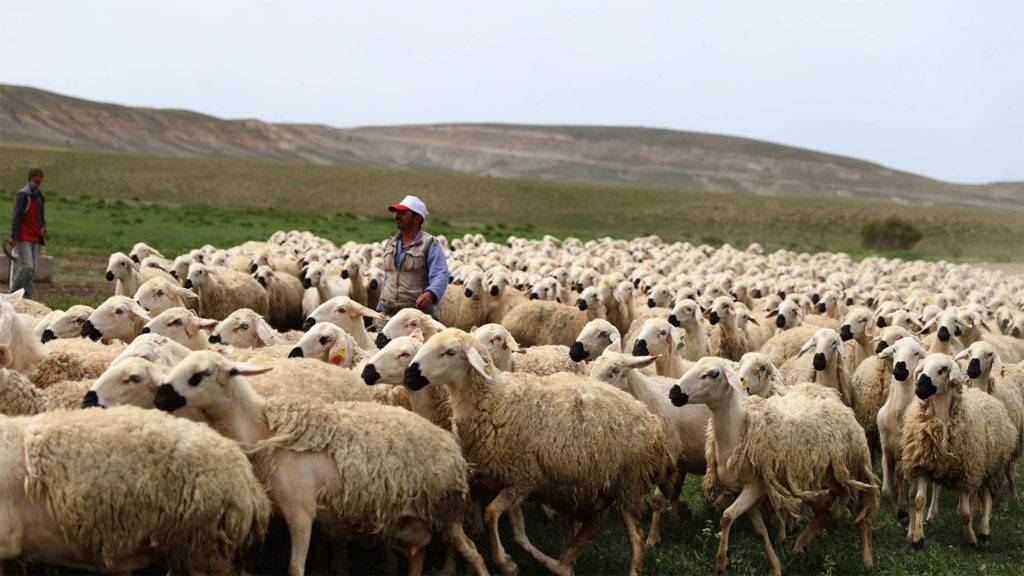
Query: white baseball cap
[{"x": 410, "y": 203}]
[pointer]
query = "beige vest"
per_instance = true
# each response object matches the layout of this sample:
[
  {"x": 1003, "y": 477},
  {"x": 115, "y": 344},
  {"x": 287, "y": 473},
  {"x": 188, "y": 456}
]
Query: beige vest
[{"x": 405, "y": 285}]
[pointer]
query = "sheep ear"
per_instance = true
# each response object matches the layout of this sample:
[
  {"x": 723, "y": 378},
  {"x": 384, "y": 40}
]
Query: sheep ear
[
  {"x": 806, "y": 347},
  {"x": 615, "y": 346},
  {"x": 513, "y": 345},
  {"x": 139, "y": 310},
  {"x": 184, "y": 292},
  {"x": 752, "y": 320},
  {"x": 223, "y": 349},
  {"x": 918, "y": 370},
  {"x": 927, "y": 326},
  {"x": 886, "y": 352},
  {"x": 731, "y": 376},
  {"x": 472, "y": 331},
  {"x": 417, "y": 335},
  {"x": 5, "y": 356},
  {"x": 264, "y": 332},
  {"x": 776, "y": 374},
  {"x": 244, "y": 369},
  {"x": 358, "y": 309},
  {"x": 772, "y": 313},
  {"x": 641, "y": 361},
  {"x": 14, "y": 298},
  {"x": 435, "y": 325},
  {"x": 476, "y": 360},
  {"x": 997, "y": 364},
  {"x": 963, "y": 355}
]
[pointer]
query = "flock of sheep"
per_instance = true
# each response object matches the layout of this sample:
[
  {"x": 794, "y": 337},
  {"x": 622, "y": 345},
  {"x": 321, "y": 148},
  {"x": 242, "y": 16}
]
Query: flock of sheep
[{"x": 258, "y": 381}]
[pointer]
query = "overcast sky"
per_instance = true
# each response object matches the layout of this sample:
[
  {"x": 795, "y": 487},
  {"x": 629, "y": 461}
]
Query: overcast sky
[{"x": 931, "y": 86}]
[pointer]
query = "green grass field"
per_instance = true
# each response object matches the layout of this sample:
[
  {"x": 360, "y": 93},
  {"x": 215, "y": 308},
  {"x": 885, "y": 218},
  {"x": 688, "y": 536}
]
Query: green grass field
[{"x": 98, "y": 204}]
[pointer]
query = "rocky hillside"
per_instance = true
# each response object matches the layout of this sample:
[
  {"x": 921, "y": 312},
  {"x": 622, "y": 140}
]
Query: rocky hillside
[{"x": 618, "y": 156}]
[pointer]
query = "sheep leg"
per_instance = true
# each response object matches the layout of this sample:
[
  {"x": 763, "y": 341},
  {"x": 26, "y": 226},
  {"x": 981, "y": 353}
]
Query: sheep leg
[
  {"x": 506, "y": 499},
  {"x": 515, "y": 517},
  {"x": 865, "y": 543},
  {"x": 300, "y": 528},
  {"x": 635, "y": 542},
  {"x": 986, "y": 515},
  {"x": 916, "y": 531},
  {"x": 757, "y": 521},
  {"x": 654, "y": 534},
  {"x": 448, "y": 568},
  {"x": 465, "y": 546},
  {"x": 748, "y": 497},
  {"x": 967, "y": 517},
  {"x": 818, "y": 522},
  {"x": 679, "y": 508},
  {"x": 416, "y": 557},
  {"x": 933, "y": 509},
  {"x": 574, "y": 547},
  {"x": 887, "y": 474}
]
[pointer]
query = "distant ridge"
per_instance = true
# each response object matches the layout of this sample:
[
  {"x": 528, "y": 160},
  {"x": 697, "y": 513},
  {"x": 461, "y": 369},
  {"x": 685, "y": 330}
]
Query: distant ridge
[{"x": 617, "y": 156}]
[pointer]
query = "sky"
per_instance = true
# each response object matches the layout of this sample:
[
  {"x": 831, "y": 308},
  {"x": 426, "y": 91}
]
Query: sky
[{"x": 931, "y": 87}]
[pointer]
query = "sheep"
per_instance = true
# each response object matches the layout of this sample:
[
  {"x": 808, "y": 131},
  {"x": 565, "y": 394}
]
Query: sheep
[
  {"x": 684, "y": 429},
  {"x": 961, "y": 439},
  {"x": 659, "y": 338},
  {"x": 405, "y": 322},
  {"x": 787, "y": 343},
  {"x": 130, "y": 275},
  {"x": 284, "y": 293},
  {"x": 244, "y": 328},
  {"x": 346, "y": 313},
  {"x": 802, "y": 447},
  {"x": 905, "y": 354},
  {"x": 327, "y": 284},
  {"x": 985, "y": 371},
  {"x": 870, "y": 383},
  {"x": 182, "y": 326},
  {"x": 509, "y": 357},
  {"x": 467, "y": 308},
  {"x": 759, "y": 377},
  {"x": 946, "y": 339},
  {"x": 279, "y": 264},
  {"x": 141, "y": 251},
  {"x": 19, "y": 397},
  {"x": 388, "y": 366},
  {"x": 854, "y": 331},
  {"x": 595, "y": 336},
  {"x": 757, "y": 334},
  {"x": 68, "y": 324},
  {"x": 43, "y": 324},
  {"x": 159, "y": 294},
  {"x": 352, "y": 270},
  {"x": 155, "y": 348},
  {"x": 72, "y": 359},
  {"x": 826, "y": 367},
  {"x": 374, "y": 284},
  {"x": 503, "y": 297},
  {"x": 727, "y": 341},
  {"x": 516, "y": 435},
  {"x": 328, "y": 343},
  {"x": 354, "y": 468},
  {"x": 222, "y": 291},
  {"x": 117, "y": 318},
  {"x": 686, "y": 314},
  {"x": 541, "y": 322},
  {"x": 26, "y": 350},
  {"x": 32, "y": 308},
  {"x": 192, "y": 498}
]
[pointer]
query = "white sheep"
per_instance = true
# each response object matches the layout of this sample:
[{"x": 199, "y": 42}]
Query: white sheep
[
  {"x": 687, "y": 314},
  {"x": 244, "y": 328},
  {"x": 855, "y": 332},
  {"x": 159, "y": 294},
  {"x": 346, "y": 313},
  {"x": 727, "y": 341},
  {"x": 285, "y": 295},
  {"x": 572, "y": 443},
  {"x": 905, "y": 354},
  {"x": 684, "y": 428},
  {"x": 329, "y": 343},
  {"x": 117, "y": 318},
  {"x": 387, "y": 367},
  {"x": 659, "y": 338},
  {"x": 222, "y": 291},
  {"x": 595, "y": 336},
  {"x": 800, "y": 448},
  {"x": 870, "y": 383},
  {"x": 540, "y": 322},
  {"x": 364, "y": 469},
  {"x": 466, "y": 308},
  {"x": 759, "y": 377},
  {"x": 20, "y": 397},
  {"x": 825, "y": 367},
  {"x": 130, "y": 275},
  {"x": 509, "y": 357},
  {"x": 192, "y": 499},
  {"x": 961, "y": 439},
  {"x": 183, "y": 326},
  {"x": 405, "y": 322}
]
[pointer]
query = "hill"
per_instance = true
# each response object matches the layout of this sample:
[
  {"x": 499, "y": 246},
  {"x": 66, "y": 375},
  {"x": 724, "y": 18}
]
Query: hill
[{"x": 610, "y": 156}]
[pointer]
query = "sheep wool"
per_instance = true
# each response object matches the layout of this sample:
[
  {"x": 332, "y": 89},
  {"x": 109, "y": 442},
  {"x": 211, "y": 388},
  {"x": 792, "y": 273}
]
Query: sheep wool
[
  {"x": 802, "y": 445},
  {"x": 192, "y": 497},
  {"x": 538, "y": 322},
  {"x": 545, "y": 360}
]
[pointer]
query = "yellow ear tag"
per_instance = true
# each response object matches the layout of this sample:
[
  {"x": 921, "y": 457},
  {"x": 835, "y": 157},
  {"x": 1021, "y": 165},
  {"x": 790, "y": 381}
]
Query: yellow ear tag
[
  {"x": 680, "y": 344},
  {"x": 743, "y": 384},
  {"x": 339, "y": 356}
]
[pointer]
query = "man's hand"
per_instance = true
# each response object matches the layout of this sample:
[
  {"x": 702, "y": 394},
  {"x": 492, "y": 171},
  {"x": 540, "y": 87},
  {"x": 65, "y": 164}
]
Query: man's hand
[
  {"x": 13, "y": 242},
  {"x": 425, "y": 301}
]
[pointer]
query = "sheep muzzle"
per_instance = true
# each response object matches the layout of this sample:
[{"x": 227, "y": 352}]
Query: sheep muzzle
[
  {"x": 296, "y": 353},
  {"x": 91, "y": 332},
  {"x": 145, "y": 330},
  {"x": 370, "y": 374},
  {"x": 168, "y": 399},
  {"x": 900, "y": 372},
  {"x": 47, "y": 336},
  {"x": 925, "y": 389},
  {"x": 974, "y": 368},
  {"x": 381, "y": 340},
  {"x": 882, "y": 345},
  {"x": 308, "y": 324},
  {"x": 640, "y": 348},
  {"x": 214, "y": 339},
  {"x": 414, "y": 379},
  {"x": 91, "y": 400},
  {"x": 306, "y": 283},
  {"x": 880, "y": 322},
  {"x": 651, "y": 303},
  {"x": 713, "y": 318},
  {"x": 944, "y": 334},
  {"x": 846, "y": 333},
  {"x": 109, "y": 276},
  {"x": 674, "y": 320},
  {"x": 780, "y": 321},
  {"x": 581, "y": 304},
  {"x": 677, "y": 396},
  {"x": 494, "y": 290},
  {"x": 577, "y": 353},
  {"x": 820, "y": 362}
]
